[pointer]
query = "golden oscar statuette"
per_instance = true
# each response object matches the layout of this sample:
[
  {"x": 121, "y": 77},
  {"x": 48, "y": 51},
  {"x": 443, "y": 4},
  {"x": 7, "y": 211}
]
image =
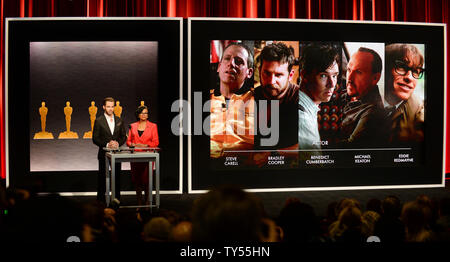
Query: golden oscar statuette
[
  {"x": 142, "y": 103},
  {"x": 92, "y": 116},
  {"x": 43, "y": 134},
  {"x": 118, "y": 109},
  {"x": 68, "y": 134}
]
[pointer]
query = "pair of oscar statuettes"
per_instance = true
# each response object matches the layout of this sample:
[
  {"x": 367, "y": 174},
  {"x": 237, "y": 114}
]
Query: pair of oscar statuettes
[{"x": 43, "y": 111}]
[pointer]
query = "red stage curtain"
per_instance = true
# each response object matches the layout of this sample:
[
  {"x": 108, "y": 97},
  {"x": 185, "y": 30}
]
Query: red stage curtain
[{"x": 436, "y": 11}]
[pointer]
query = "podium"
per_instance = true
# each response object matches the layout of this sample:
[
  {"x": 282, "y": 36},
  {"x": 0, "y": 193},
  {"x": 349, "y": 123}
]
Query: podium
[{"x": 127, "y": 154}]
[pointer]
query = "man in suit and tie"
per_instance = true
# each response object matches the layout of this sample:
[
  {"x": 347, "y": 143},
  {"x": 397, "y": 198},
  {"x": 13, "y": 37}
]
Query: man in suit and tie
[{"x": 109, "y": 131}]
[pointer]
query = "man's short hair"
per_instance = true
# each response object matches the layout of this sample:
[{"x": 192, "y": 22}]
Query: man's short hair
[
  {"x": 250, "y": 53},
  {"x": 403, "y": 52},
  {"x": 377, "y": 64},
  {"x": 227, "y": 213},
  {"x": 278, "y": 52},
  {"x": 391, "y": 206},
  {"x": 108, "y": 99},
  {"x": 157, "y": 229},
  {"x": 318, "y": 56}
]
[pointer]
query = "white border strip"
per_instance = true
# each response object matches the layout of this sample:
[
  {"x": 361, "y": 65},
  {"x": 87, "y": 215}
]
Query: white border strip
[
  {"x": 444, "y": 155},
  {"x": 189, "y": 91},
  {"x": 308, "y": 189},
  {"x": 191, "y": 191},
  {"x": 6, "y": 101},
  {"x": 122, "y": 193},
  {"x": 180, "y": 179},
  {"x": 180, "y": 166}
]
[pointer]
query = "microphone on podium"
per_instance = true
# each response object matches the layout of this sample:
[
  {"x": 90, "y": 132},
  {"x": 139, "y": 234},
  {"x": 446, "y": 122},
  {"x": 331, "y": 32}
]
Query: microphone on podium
[{"x": 131, "y": 146}]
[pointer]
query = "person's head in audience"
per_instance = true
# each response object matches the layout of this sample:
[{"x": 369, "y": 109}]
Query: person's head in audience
[
  {"x": 369, "y": 218},
  {"x": 429, "y": 207},
  {"x": 182, "y": 232},
  {"x": 346, "y": 202},
  {"x": 172, "y": 216},
  {"x": 349, "y": 226},
  {"x": 291, "y": 200},
  {"x": 299, "y": 222},
  {"x": 442, "y": 225},
  {"x": 157, "y": 230},
  {"x": 391, "y": 207},
  {"x": 415, "y": 220},
  {"x": 270, "y": 231},
  {"x": 331, "y": 211},
  {"x": 226, "y": 213},
  {"x": 350, "y": 217},
  {"x": 93, "y": 222},
  {"x": 49, "y": 218},
  {"x": 16, "y": 195},
  {"x": 129, "y": 228},
  {"x": 424, "y": 200}
]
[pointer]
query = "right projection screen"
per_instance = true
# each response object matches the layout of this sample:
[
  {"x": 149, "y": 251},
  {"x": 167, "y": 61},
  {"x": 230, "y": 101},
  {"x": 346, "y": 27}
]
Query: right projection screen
[{"x": 290, "y": 105}]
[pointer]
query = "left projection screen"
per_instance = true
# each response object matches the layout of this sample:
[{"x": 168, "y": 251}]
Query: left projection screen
[
  {"x": 61, "y": 72},
  {"x": 81, "y": 74}
]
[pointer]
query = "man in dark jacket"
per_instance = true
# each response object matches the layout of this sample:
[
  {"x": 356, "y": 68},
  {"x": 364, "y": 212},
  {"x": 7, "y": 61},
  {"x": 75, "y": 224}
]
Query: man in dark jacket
[
  {"x": 364, "y": 114},
  {"x": 404, "y": 64},
  {"x": 109, "y": 131}
]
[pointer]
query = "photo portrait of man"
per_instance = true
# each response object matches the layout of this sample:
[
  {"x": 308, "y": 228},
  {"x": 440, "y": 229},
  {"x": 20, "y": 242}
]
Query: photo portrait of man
[
  {"x": 364, "y": 115},
  {"x": 232, "y": 102},
  {"x": 404, "y": 69},
  {"x": 276, "y": 61},
  {"x": 319, "y": 71},
  {"x": 276, "y": 72}
]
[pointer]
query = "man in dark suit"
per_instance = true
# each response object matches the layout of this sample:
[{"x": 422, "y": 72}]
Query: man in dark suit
[{"x": 109, "y": 131}]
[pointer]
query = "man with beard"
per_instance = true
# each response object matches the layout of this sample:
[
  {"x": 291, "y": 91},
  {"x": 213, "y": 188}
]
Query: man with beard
[
  {"x": 364, "y": 115},
  {"x": 404, "y": 64},
  {"x": 275, "y": 72},
  {"x": 232, "y": 103}
]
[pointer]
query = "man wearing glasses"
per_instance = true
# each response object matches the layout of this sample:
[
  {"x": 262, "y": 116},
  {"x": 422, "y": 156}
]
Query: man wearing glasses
[{"x": 404, "y": 66}]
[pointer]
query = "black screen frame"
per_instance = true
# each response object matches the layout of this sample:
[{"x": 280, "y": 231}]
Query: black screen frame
[
  {"x": 431, "y": 174},
  {"x": 20, "y": 32}
]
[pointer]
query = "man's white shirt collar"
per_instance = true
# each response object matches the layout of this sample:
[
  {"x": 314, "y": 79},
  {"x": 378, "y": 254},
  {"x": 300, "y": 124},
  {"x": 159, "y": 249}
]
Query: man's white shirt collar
[{"x": 111, "y": 124}]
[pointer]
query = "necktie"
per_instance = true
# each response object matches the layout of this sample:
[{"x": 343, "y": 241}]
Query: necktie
[{"x": 390, "y": 110}]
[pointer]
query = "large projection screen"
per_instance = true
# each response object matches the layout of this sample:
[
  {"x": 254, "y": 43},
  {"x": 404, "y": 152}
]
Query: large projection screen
[
  {"x": 58, "y": 73},
  {"x": 362, "y": 137}
]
